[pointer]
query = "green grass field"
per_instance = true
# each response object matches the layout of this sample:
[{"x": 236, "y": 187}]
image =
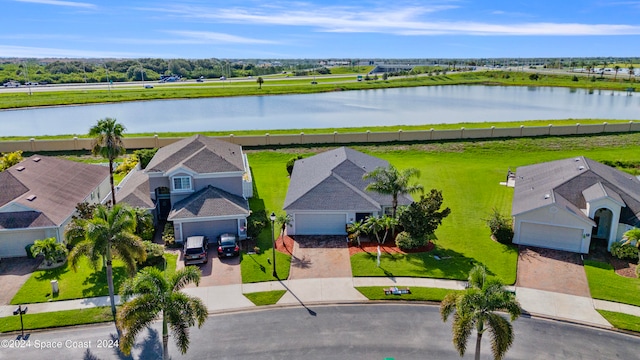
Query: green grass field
[
  {"x": 265, "y": 297},
  {"x": 622, "y": 321},
  {"x": 417, "y": 294},
  {"x": 83, "y": 283},
  {"x": 605, "y": 284},
  {"x": 57, "y": 319}
]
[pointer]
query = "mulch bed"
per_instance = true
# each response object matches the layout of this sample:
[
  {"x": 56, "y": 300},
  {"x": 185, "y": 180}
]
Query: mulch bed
[
  {"x": 624, "y": 267},
  {"x": 371, "y": 247}
]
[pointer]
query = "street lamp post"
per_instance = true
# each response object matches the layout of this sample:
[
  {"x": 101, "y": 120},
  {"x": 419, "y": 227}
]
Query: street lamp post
[{"x": 273, "y": 241}]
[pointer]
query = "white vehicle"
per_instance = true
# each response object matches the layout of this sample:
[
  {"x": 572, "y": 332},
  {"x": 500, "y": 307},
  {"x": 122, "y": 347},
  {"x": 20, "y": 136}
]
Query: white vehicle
[{"x": 11, "y": 83}]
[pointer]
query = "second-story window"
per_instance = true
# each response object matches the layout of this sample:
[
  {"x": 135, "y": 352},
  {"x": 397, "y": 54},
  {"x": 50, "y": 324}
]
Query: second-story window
[{"x": 182, "y": 183}]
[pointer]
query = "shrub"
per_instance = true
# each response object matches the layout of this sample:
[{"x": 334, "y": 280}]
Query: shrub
[
  {"x": 255, "y": 223},
  {"x": 144, "y": 156},
  {"x": 533, "y": 77},
  {"x": 575, "y": 78},
  {"x": 154, "y": 254},
  {"x": 7, "y": 160},
  {"x": 624, "y": 251},
  {"x": 291, "y": 162},
  {"x": 405, "y": 241},
  {"x": 500, "y": 227},
  {"x": 168, "y": 234},
  {"x": 129, "y": 163}
]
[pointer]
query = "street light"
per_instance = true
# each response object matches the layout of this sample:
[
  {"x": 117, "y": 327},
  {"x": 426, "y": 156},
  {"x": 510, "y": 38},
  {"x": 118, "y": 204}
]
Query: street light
[
  {"x": 19, "y": 310},
  {"x": 273, "y": 241}
]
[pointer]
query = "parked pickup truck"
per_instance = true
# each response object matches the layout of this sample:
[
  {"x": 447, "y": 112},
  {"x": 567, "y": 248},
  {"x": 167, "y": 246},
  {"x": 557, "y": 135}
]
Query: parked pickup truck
[{"x": 11, "y": 83}]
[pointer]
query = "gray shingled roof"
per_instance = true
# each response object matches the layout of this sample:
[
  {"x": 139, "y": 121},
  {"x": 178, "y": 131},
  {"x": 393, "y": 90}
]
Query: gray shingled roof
[
  {"x": 57, "y": 184},
  {"x": 24, "y": 219},
  {"x": 135, "y": 191},
  {"x": 209, "y": 202},
  {"x": 332, "y": 180},
  {"x": 199, "y": 153},
  {"x": 576, "y": 180}
]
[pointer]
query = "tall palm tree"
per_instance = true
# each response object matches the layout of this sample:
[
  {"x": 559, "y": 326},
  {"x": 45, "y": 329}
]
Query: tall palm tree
[
  {"x": 284, "y": 220},
  {"x": 476, "y": 308},
  {"x": 391, "y": 181},
  {"x": 111, "y": 232},
  {"x": 108, "y": 143},
  {"x": 155, "y": 293},
  {"x": 616, "y": 69}
]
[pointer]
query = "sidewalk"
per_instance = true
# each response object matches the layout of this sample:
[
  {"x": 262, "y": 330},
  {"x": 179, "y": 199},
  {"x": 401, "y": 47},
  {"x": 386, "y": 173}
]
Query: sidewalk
[{"x": 342, "y": 290}]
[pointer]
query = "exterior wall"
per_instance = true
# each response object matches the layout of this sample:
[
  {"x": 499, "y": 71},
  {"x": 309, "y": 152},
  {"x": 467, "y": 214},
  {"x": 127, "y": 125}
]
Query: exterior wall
[
  {"x": 552, "y": 215},
  {"x": 157, "y": 182},
  {"x": 231, "y": 184},
  {"x": 33, "y": 145}
]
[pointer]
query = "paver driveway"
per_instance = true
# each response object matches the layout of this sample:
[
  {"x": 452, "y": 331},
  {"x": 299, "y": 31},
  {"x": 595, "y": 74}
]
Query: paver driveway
[
  {"x": 552, "y": 270},
  {"x": 216, "y": 271},
  {"x": 14, "y": 272},
  {"x": 320, "y": 257}
]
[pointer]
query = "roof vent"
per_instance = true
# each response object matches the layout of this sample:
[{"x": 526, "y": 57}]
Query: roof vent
[
  {"x": 546, "y": 196},
  {"x": 580, "y": 167},
  {"x": 577, "y": 159},
  {"x": 36, "y": 159},
  {"x": 20, "y": 168},
  {"x": 31, "y": 197}
]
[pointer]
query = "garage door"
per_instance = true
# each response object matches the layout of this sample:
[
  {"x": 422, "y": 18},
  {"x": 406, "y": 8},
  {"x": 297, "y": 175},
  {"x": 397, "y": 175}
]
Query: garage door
[
  {"x": 210, "y": 229},
  {"x": 12, "y": 243},
  {"x": 320, "y": 224},
  {"x": 552, "y": 237}
]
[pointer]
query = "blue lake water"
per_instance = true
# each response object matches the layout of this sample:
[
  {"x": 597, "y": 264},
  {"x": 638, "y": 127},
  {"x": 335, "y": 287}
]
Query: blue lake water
[{"x": 402, "y": 106}]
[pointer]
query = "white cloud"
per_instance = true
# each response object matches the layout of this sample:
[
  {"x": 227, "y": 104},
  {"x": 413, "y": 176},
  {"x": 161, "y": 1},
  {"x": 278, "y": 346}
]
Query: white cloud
[
  {"x": 207, "y": 37},
  {"x": 404, "y": 20},
  {"x": 60, "y": 3}
]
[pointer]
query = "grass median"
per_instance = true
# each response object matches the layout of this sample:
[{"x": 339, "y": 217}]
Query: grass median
[{"x": 57, "y": 319}]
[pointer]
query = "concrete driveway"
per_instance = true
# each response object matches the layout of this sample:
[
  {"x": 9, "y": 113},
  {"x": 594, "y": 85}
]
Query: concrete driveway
[
  {"x": 552, "y": 270},
  {"x": 14, "y": 272},
  {"x": 216, "y": 271}
]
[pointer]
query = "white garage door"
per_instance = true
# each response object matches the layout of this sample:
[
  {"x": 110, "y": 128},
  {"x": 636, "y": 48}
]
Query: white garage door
[
  {"x": 12, "y": 243},
  {"x": 320, "y": 224},
  {"x": 552, "y": 237}
]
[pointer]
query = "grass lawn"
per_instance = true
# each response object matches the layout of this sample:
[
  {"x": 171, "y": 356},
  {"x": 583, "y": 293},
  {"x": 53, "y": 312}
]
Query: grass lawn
[
  {"x": 605, "y": 284},
  {"x": 622, "y": 321},
  {"x": 83, "y": 283},
  {"x": 265, "y": 297},
  {"x": 57, "y": 319},
  {"x": 417, "y": 294}
]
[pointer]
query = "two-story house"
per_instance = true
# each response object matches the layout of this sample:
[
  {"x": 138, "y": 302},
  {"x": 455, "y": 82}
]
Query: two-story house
[
  {"x": 201, "y": 184},
  {"x": 38, "y": 197}
]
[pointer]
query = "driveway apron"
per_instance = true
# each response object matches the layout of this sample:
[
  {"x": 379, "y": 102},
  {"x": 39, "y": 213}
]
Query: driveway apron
[
  {"x": 552, "y": 270},
  {"x": 320, "y": 257},
  {"x": 14, "y": 272}
]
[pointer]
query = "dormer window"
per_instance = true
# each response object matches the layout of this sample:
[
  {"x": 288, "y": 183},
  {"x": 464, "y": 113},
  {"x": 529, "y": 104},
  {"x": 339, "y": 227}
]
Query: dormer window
[{"x": 182, "y": 183}]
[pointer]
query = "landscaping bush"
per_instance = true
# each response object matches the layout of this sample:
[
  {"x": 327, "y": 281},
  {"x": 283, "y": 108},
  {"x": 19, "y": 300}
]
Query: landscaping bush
[
  {"x": 144, "y": 156},
  {"x": 405, "y": 241},
  {"x": 500, "y": 227},
  {"x": 168, "y": 235},
  {"x": 575, "y": 78},
  {"x": 129, "y": 163},
  {"x": 255, "y": 223},
  {"x": 154, "y": 254},
  {"x": 291, "y": 162},
  {"x": 624, "y": 251}
]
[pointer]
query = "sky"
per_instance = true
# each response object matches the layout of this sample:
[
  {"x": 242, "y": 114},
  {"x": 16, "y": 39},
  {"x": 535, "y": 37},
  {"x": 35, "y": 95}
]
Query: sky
[{"x": 319, "y": 29}]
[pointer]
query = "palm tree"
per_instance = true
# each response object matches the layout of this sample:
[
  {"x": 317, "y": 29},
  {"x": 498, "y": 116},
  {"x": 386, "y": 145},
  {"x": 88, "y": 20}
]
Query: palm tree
[
  {"x": 373, "y": 225},
  {"x": 356, "y": 229},
  {"x": 50, "y": 248},
  {"x": 155, "y": 293},
  {"x": 284, "y": 220},
  {"x": 616, "y": 68},
  {"x": 476, "y": 308},
  {"x": 632, "y": 236},
  {"x": 631, "y": 68},
  {"x": 260, "y": 80},
  {"x": 110, "y": 232},
  {"x": 391, "y": 181},
  {"x": 108, "y": 143}
]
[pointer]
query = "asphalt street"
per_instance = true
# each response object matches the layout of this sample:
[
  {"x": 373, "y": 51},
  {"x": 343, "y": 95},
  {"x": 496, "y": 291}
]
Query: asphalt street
[{"x": 328, "y": 332}]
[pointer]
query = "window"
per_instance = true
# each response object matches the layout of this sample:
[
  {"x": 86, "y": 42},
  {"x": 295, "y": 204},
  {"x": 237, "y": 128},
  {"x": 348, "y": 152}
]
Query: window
[{"x": 182, "y": 183}]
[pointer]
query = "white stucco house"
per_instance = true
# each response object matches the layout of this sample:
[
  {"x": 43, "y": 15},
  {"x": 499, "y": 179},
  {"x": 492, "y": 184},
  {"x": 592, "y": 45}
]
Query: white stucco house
[
  {"x": 327, "y": 192},
  {"x": 38, "y": 197},
  {"x": 201, "y": 184},
  {"x": 567, "y": 204}
]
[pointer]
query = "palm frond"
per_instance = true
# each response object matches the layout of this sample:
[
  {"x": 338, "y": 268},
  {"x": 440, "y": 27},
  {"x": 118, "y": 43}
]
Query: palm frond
[
  {"x": 501, "y": 332},
  {"x": 183, "y": 277}
]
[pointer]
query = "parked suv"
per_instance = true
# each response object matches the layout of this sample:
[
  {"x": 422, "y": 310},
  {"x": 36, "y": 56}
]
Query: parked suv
[
  {"x": 228, "y": 245},
  {"x": 195, "y": 250}
]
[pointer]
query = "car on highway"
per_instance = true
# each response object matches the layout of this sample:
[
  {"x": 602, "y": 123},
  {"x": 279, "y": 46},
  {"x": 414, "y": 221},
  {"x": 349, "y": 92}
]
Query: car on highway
[
  {"x": 200, "y": 79},
  {"x": 148, "y": 86},
  {"x": 195, "y": 250},
  {"x": 228, "y": 245},
  {"x": 11, "y": 83}
]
